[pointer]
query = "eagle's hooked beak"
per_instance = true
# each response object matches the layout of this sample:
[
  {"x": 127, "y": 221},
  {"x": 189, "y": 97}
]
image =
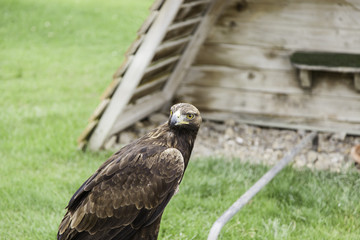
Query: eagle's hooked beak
[{"x": 178, "y": 119}]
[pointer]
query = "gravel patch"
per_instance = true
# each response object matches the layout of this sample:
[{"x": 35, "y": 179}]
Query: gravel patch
[{"x": 257, "y": 145}]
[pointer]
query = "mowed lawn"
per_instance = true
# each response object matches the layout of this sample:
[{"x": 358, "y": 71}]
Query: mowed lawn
[{"x": 56, "y": 58}]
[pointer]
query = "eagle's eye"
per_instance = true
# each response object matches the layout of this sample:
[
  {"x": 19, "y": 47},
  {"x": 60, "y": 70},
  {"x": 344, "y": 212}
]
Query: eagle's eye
[
  {"x": 190, "y": 116},
  {"x": 171, "y": 113}
]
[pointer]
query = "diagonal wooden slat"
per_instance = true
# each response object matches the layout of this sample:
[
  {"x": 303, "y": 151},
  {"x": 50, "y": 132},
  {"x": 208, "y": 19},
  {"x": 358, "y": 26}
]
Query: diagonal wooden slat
[
  {"x": 195, "y": 3},
  {"x": 134, "y": 73},
  {"x": 150, "y": 86},
  {"x": 186, "y": 23},
  {"x": 173, "y": 43},
  {"x": 138, "y": 111},
  {"x": 193, "y": 47},
  {"x": 161, "y": 64}
]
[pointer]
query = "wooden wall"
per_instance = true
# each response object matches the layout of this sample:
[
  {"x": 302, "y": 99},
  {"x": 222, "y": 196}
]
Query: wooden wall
[{"x": 243, "y": 68}]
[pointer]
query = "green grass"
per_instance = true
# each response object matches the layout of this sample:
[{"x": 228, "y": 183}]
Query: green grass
[
  {"x": 56, "y": 58},
  {"x": 295, "y": 205}
]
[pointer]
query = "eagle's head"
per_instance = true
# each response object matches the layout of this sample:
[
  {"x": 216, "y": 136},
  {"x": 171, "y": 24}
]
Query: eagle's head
[{"x": 184, "y": 116}]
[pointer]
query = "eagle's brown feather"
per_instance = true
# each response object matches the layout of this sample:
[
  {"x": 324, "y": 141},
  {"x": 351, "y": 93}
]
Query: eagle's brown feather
[{"x": 126, "y": 196}]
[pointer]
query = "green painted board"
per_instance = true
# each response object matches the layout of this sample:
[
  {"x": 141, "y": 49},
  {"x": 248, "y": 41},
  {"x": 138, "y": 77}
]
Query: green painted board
[{"x": 326, "y": 59}]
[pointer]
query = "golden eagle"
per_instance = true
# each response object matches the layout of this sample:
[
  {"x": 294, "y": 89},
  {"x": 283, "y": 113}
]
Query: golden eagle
[{"x": 125, "y": 198}]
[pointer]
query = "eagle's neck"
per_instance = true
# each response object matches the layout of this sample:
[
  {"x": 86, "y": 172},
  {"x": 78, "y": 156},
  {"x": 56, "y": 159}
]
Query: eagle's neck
[{"x": 181, "y": 139}]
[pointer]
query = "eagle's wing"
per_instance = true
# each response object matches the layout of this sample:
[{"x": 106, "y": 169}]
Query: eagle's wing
[{"x": 125, "y": 193}]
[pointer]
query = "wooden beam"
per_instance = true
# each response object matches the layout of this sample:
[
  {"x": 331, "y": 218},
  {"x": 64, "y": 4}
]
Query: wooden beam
[
  {"x": 335, "y": 85},
  {"x": 357, "y": 81},
  {"x": 312, "y": 38},
  {"x": 298, "y": 14},
  {"x": 193, "y": 47},
  {"x": 185, "y": 23},
  {"x": 100, "y": 109},
  {"x": 328, "y": 69},
  {"x": 138, "y": 111},
  {"x": 150, "y": 86},
  {"x": 146, "y": 25},
  {"x": 87, "y": 131},
  {"x": 156, "y": 5},
  {"x": 161, "y": 64},
  {"x": 124, "y": 66},
  {"x": 174, "y": 43},
  {"x": 111, "y": 88},
  {"x": 326, "y": 108},
  {"x": 240, "y": 56},
  {"x": 305, "y": 78},
  {"x": 284, "y": 122},
  {"x": 193, "y": 4},
  {"x": 134, "y": 73}
]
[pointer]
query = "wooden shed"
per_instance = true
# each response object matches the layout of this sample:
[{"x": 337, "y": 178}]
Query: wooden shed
[{"x": 285, "y": 63}]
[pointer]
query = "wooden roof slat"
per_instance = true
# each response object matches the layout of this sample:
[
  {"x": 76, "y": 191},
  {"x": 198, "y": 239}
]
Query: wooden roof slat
[
  {"x": 121, "y": 70},
  {"x": 111, "y": 88},
  {"x": 86, "y": 133},
  {"x": 147, "y": 24},
  {"x": 134, "y": 46},
  {"x": 173, "y": 43},
  {"x": 138, "y": 111},
  {"x": 133, "y": 76},
  {"x": 161, "y": 64},
  {"x": 182, "y": 24},
  {"x": 150, "y": 86},
  {"x": 100, "y": 109},
  {"x": 156, "y": 5},
  {"x": 283, "y": 122},
  {"x": 195, "y": 3},
  {"x": 193, "y": 47}
]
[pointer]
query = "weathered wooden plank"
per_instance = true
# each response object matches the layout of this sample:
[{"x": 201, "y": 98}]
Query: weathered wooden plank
[
  {"x": 327, "y": 68},
  {"x": 194, "y": 3},
  {"x": 333, "y": 85},
  {"x": 82, "y": 145},
  {"x": 170, "y": 48},
  {"x": 172, "y": 44},
  {"x": 167, "y": 52},
  {"x": 86, "y": 133},
  {"x": 121, "y": 70},
  {"x": 156, "y": 74},
  {"x": 134, "y": 46},
  {"x": 286, "y": 37},
  {"x": 351, "y": 3},
  {"x": 147, "y": 24},
  {"x": 193, "y": 47},
  {"x": 273, "y": 104},
  {"x": 323, "y": 14},
  {"x": 150, "y": 86},
  {"x": 138, "y": 111},
  {"x": 186, "y": 23},
  {"x": 191, "y": 12},
  {"x": 297, "y": 123},
  {"x": 240, "y": 56},
  {"x": 134, "y": 73},
  {"x": 99, "y": 110},
  {"x": 305, "y": 78},
  {"x": 357, "y": 81},
  {"x": 179, "y": 33},
  {"x": 156, "y": 5},
  {"x": 161, "y": 64},
  {"x": 111, "y": 88}
]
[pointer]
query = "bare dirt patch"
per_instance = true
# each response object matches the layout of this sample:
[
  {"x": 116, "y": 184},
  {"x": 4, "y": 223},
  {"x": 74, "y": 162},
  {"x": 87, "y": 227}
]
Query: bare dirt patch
[{"x": 258, "y": 145}]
